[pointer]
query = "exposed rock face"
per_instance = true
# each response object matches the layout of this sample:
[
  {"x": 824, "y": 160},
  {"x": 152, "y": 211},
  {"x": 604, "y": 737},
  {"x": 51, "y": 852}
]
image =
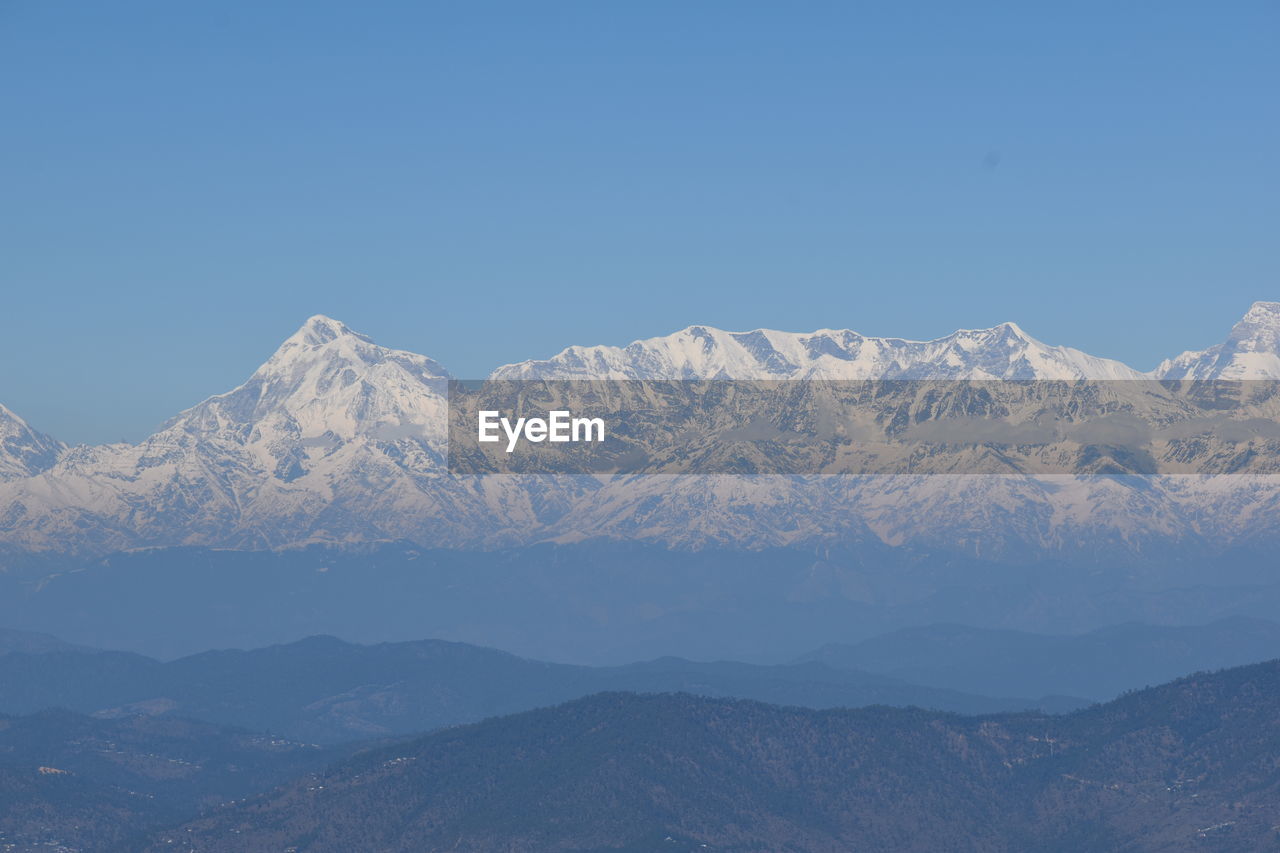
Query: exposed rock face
[{"x": 23, "y": 451}]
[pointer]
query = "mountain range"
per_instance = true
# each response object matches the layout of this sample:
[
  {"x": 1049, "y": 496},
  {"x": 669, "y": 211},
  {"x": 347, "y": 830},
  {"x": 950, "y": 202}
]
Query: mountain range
[
  {"x": 324, "y": 690},
  {"x": 338, "y": 440},
  {"x": 1186, "y": 766}
]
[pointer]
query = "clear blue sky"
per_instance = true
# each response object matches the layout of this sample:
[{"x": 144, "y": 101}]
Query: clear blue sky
[{"x": 184, "y": 183}]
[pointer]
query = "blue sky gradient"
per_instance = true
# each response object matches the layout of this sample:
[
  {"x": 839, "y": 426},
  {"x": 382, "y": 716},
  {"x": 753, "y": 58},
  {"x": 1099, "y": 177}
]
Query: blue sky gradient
[{"x": 183, "y": 184}]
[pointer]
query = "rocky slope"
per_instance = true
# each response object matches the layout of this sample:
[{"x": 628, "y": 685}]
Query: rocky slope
[{"x": 23, "y": 451}]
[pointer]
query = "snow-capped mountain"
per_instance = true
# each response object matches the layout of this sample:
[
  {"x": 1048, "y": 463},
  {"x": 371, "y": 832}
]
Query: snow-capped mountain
[
  {"x": 1251, "y": 351},
  {"x": 700, "y": 352},
  {"x": 325, "y": 386},
  {"x": 24, "y": 451},
  {"x": 337, "y": 439},
  {"x": 333, "y": 439}
]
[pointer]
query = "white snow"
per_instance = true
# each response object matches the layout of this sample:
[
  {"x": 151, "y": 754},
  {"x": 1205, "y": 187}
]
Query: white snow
[{"x": 338, "y": 439}]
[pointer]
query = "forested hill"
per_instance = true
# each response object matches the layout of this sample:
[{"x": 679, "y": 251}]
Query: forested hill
[{"x": 1191, "y": 765}]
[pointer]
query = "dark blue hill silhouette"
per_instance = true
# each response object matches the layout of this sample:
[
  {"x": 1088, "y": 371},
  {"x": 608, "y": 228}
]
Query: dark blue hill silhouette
[
  {"x": 326, "y": 690},
  {"x": 1187, "y": 766}
]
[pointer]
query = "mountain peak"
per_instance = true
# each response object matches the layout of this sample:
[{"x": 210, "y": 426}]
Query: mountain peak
[
  {"x": 320, "y": 330},
  {"x": 1262, "y": 318},
  {"x": 326, "y": 339},
  {"x": 1009, "y": 333},
  {"x": 325, "y": 384},
  {"x": 1014, "y": 330},
  {"x": 1271, "y": 309},
  {"x": 1251, "y": 351}
]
